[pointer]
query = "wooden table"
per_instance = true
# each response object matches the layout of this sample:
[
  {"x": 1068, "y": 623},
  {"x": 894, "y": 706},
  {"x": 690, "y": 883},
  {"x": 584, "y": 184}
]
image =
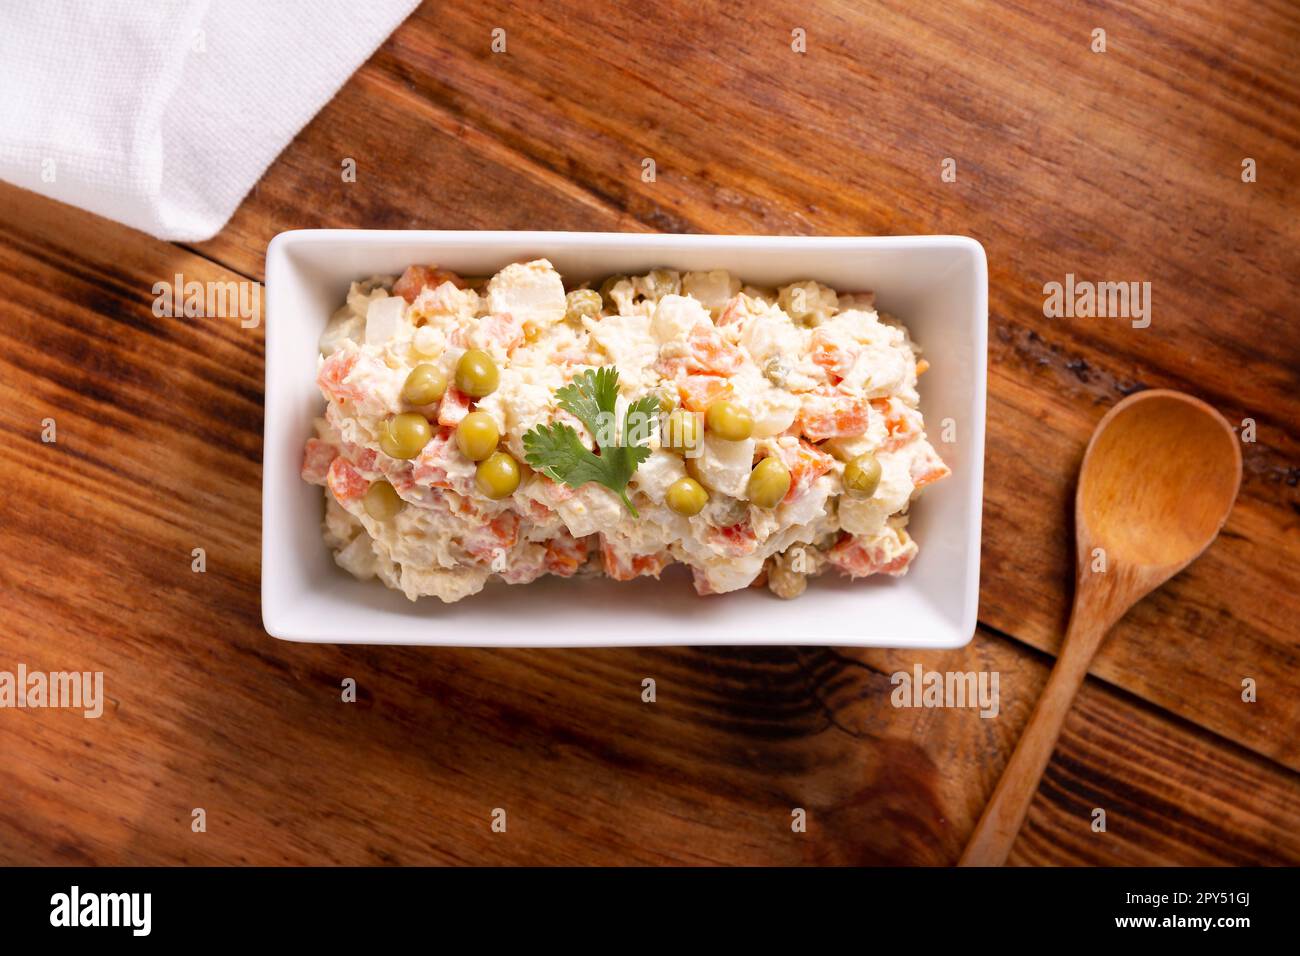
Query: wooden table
[{"x": 1115, "y": 166}]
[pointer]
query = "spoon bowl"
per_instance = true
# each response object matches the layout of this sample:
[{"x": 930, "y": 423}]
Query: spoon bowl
[
  {"x": 1157, "y": 482},
  {"x": 1158, "y": 479}
]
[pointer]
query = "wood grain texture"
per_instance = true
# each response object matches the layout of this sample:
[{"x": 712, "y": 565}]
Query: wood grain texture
[
  {"x": 1115, "y": 166},
  {"x": 1053, "y": 177}
]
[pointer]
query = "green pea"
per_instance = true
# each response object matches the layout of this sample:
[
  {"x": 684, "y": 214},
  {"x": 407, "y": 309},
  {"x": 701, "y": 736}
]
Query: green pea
[
  {"x": 777, "y": 371},
  {"x": 681, "y": 431},
  {"x": 476, "y": 374},
  {"x": 477, "y": 436},
  {"x": 497, "y": 475},
  {"x": 686, "y": 496},
  {"x": 729, "y": 421},
  {"x": 424, "y": 385},
  {"x": 862, "y": 476},
  {"x": 768, "y": 483},
  {"x": 582, "y": 303},
  {"x": 382, "y": 501},
  {"x": 405, "y": 435}
]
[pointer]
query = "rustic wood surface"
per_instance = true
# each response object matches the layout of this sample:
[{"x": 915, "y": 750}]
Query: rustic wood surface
[{"x": 1123, "y": 165}]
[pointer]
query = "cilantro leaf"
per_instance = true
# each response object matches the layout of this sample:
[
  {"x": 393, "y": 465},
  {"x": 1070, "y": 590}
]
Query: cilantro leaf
[
  {"x": 636, "y": 424},
  {"x": 592, "y": 398},
  {"x": 590, "y": 394},
  {"x": 558, "y": 452}
]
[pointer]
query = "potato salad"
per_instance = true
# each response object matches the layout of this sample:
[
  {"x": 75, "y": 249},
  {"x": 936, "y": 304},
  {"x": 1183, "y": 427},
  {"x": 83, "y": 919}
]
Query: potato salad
[{"x": 508, "y": 428}]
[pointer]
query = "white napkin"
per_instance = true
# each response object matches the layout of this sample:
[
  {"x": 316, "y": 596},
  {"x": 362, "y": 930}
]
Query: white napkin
[{"x": 162, "y": 115}]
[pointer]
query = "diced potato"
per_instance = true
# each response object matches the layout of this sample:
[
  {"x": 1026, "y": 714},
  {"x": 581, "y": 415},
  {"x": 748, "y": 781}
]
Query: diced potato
[
  {"x": 532, "y": 292},
  {"x": 713, "y": 289},
  {"x": 386, "y": 320},
  {"x": 725, "y": 465},
  {"x": 867, "y": 516},
  {"x": 774, "y": 410},
  {"x": 358, "y": 557},
  {"x": 732, "y": 574},
  {"x": 592, "y": 508},
  {"x": 807, "y": 302},
  {"x": 657, "y": 472},
  {"x": 674, "y": 318},
  {"x": 345, "y": 325}
]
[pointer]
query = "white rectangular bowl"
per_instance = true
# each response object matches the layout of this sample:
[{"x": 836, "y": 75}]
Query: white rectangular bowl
[{"x": 937, "y": 285}]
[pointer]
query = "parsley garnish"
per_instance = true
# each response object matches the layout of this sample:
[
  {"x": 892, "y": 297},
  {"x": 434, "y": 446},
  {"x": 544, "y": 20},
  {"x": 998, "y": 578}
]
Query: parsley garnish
[{"x": 592, "y": 398}]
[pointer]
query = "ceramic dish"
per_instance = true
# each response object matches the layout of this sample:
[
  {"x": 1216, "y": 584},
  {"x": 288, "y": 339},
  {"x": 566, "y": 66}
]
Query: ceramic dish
[{"x": 936, "y": 285}]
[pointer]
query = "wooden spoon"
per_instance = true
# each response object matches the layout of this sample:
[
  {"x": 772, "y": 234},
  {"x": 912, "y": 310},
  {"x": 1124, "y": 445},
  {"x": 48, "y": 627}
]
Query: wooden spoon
[{"x": 1157, "y": 482}]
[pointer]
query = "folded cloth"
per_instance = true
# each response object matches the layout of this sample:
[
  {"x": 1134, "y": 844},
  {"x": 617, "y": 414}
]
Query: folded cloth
[{"x": 162, "y": 115}]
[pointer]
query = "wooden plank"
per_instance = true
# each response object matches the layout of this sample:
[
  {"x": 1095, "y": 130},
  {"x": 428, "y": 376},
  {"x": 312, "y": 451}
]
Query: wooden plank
[
  {"x": 1122, "y": 759},
  {"x": 1068, "y": 161},
  {"x": 206, "y": 711},
  {"x": 429, "y": 171}
]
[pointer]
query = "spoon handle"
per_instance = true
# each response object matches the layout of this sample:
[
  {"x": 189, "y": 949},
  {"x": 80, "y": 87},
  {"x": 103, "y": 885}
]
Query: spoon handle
[{"x": 1005, "y": 812}]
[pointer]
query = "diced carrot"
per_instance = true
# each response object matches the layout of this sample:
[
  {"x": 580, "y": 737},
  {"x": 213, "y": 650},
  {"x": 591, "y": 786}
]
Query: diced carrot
[
  {"x": 345, "y": 482},
  {"x": 502, "y": 330},
  {"x": 830, "y": 353},
  {"x": 317, "y": 457},
  {"x": 806, "y": 463},
  {"x": 734, "y": 541},
  {"x": 333, "y": 375},
  {"x": 463, "y": 506},
  {"x": 455, "y": 405},
  {"x": 505, "y": 528},
  {"x": 902, "y": 423},
  {"x": 698, "y": 392},
  {"x": 565, "y": 554},
  {"x": 364, "y": 459},
  {"x": 927, "y": 468},
  {"x": 430, "y": 467},
  {"x": 493, "y": 538},
  {"x": 859, "y": 558},
  {"x": 922, "y": 366},
  {"x": 931, "y": 476},
  {"x": 827, "y": 413},
  {"x": 708, "y": 352},
  {"x": 734, "y": 311},
  {"x": 481, "y": 549},
  {"x": 401, "y": 478},
  {"x": 418, "y": 278},
  {"x": 626, "y": 568},
  {"x": 651, "y": 564}
]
